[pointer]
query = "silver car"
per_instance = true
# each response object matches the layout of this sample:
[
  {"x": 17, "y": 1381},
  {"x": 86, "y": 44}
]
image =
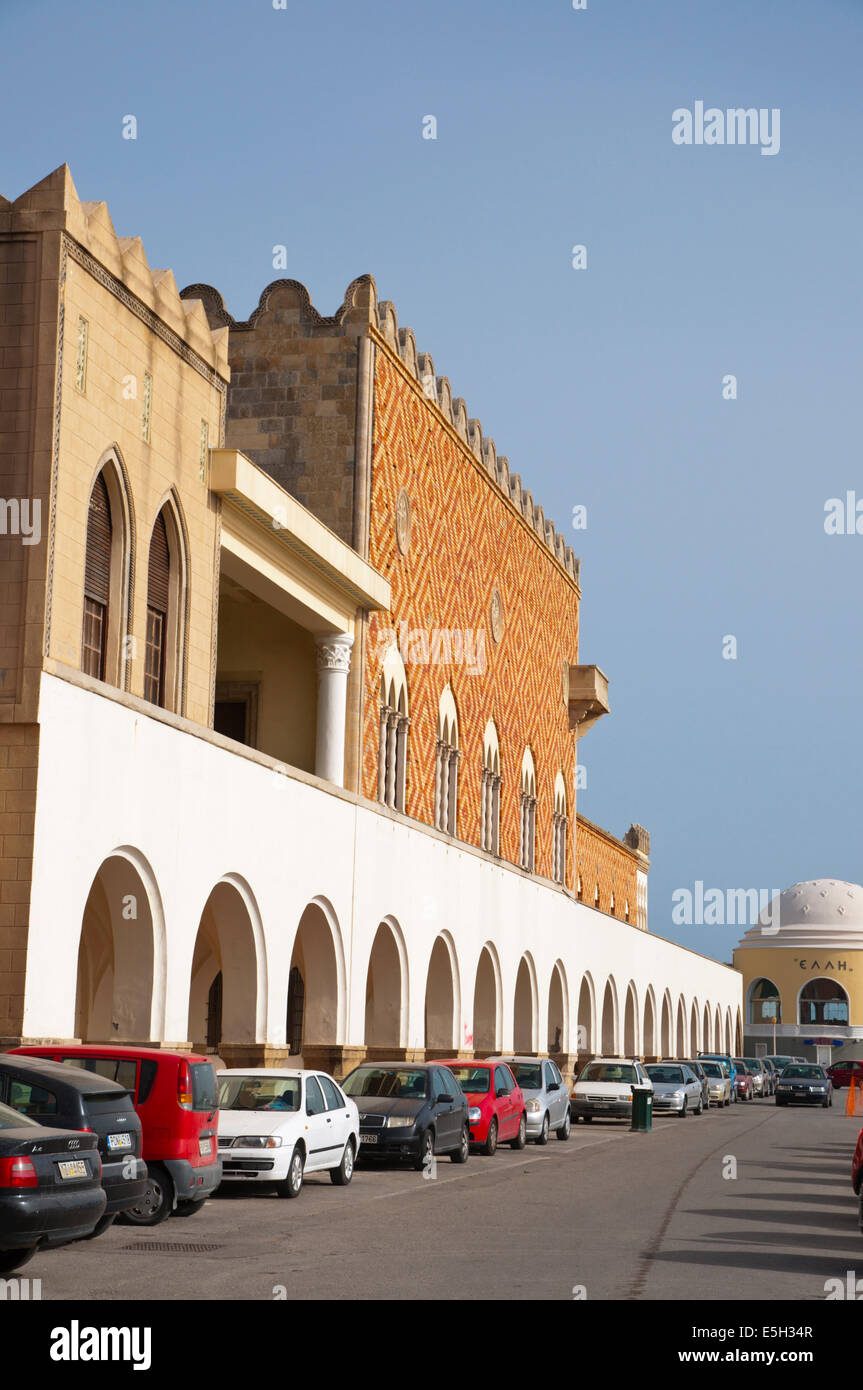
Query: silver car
[
  {"x": 676, "y": 1089},
  {"x": 545, "y": 1095},
  {"x": 718, "y": 1080}
]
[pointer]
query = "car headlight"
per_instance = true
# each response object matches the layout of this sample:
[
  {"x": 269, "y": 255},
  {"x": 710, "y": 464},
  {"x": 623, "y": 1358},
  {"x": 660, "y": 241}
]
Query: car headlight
[
  {"x": 474, "y": 1115},
  {"x": 532, "y": 1107},
  {"x": 678, "y": 1095},
  {"x": 400, "y": 1122},
  {"x": 819, "y": 1088},
  {"x": 257, "y": 1141}
]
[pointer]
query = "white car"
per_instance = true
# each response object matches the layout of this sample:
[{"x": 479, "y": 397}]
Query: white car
[
  {"x": 276, "y": 1125},
  {"x": 604, "y": 1088}
]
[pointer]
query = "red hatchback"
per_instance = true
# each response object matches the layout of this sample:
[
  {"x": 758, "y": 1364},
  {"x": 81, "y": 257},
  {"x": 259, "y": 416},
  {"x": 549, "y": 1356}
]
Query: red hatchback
[
  {"x": 177, "y": 1098},
  {"x": 843, "y": 1073},
  {"x": 496, "y": 1112}
]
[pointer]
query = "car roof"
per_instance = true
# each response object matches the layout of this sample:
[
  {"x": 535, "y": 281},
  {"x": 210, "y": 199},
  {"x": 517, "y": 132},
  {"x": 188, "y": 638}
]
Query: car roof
[
  {"x": 403, "y": 1066},
  {"x": 268, "y": 1071},
  {"x": 464, "y": 1062},
  {"x": 629, "y": 1060},
  {"x": 115, "y": 1050},
  {"x": 515, "y": 1057},
  {"x": 75, "y": 1077}
]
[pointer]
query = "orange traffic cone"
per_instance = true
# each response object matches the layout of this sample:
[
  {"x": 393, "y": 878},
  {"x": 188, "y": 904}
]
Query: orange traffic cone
[{"x": 850, "y": 1102}]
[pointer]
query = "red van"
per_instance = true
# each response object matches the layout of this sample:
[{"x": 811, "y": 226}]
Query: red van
[{"x": 177, "y": 1097}]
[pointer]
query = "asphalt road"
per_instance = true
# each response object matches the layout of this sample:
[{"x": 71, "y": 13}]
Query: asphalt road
[{"x": 621, "y": 1215}]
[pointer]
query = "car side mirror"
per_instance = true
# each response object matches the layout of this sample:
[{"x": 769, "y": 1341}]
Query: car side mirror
[
  {"x": 443, "y": 1097},
  {"x": 553, "y": 1086},
  {"x": 501, "y": 1091}
]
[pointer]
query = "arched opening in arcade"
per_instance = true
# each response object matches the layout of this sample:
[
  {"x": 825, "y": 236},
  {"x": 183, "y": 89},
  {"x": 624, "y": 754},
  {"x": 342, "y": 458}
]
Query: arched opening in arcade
[
  {"x": 693, "y": 1030},
  {"x": 524, "y": 1029},
  {"x": 630, "y": 1026},
  {"x": 609, "y": 1020},
  {"x": 681, "y": 1030},
  {"x": 117, "y": 958},
  {"x": 649, "y": 1035},
  {"x": 441, "y": 1001},
  {"x": 586, "y": 1043},
  {"x": 223, "y": 991},
  {"x": 765, "y": 1002},
  {"x": 486, "y": 1004},
  {"x": 313, "y": 1027},
  {"x": 385, "y": 994},
  {"x": 558, "y": 1012},
  {"x": 666, "y": 1027}
]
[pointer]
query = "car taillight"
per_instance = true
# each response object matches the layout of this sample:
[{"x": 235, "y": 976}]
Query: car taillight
[
  {"x": 184, "y": 1086},
  {"x": 18, "y": 1172}
]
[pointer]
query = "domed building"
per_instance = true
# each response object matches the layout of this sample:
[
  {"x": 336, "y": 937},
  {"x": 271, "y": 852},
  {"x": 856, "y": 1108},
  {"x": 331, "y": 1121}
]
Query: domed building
[{"x": 802, "y": 968}]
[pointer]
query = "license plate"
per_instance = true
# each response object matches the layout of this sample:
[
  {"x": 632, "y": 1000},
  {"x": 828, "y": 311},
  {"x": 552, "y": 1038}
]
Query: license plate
[
  {"x": 205, "y": 1146},
  {"x": 119, "y": 1141},
  {"x": 368, "y": 1138},
  {"x": 74, "y": 1168}
]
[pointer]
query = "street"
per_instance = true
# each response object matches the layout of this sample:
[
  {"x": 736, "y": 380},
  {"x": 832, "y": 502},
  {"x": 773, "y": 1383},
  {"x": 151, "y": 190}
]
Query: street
[{"x": 609, "y": 1215}]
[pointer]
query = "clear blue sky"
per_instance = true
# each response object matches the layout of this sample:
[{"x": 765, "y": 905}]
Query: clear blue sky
[{"x": 258, "y": 127}]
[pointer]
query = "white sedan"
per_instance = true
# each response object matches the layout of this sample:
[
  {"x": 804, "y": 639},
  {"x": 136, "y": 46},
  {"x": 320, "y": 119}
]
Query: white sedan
[{"x": 276, "y": 1125}]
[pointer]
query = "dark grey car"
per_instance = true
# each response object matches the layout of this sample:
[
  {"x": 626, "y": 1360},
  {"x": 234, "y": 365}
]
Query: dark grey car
[{"x": 804, "y": 1083}]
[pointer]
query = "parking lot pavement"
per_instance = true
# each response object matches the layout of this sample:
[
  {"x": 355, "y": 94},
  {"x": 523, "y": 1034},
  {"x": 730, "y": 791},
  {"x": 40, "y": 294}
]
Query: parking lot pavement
[{"x": 615, "y": 1214}]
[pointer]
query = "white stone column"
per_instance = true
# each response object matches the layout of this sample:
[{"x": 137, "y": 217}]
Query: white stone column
[{"x": 333, "y": 662}]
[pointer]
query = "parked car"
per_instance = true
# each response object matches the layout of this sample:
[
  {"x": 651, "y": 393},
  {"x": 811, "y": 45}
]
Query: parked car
[
  {"x": 844, "y": 1072},
  {"x": 50, "y": 1187},
  {"x": 718, "y": 1080},
  {"x": 744, "y": 1081},
  {"x": 277, "y": 1125},
  {"x": 771, "y": 1073},
  {"x": 176, "y": 1096},
  {"x": 857, "y": 1177},
  {"x": 700, "y": 1073},
  {"x": 496, "y": 1108},
  {"x": 604, "y": 1088},
  {"x": 804, "y": 1083},
  {"x": 546, "y": 1098},
  {"x": 67, "y": 1098},
  {"x": 409, "y": 1110},
  {"x": 729, "y": 1062},
  {"x": 676, "y": 1089},
  {"x": 780, "y": 1061},
  {"x": 760, "y": 1083}
]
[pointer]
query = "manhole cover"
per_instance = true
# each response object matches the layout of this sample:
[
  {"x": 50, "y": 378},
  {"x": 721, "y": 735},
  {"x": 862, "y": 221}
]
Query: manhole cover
[{"x": 173, "y": 1246}]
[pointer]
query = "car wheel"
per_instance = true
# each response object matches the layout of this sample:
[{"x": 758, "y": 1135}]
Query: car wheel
[
  {"x": 520, "y": 1139},
  {"x": 491, "y": 1139},
  {"x": 342, "y": 1175},
  {"x": 681, "y": 1114},
  {"x": 542, "y": 1137},
  {"x": 189, "y": 1208},
  {"x": 14, "y": 1259},
  {"x": 566, "y": 1128},
  {"x": 292, "y": 1185},
  {"x": 156, "y": 1203},
  {"x": 460, "y": 1155},
  {"x": 700, "y": 1106},
  {"x": 825, "y": 1102},
  {"x": 426, "y": 1152}
]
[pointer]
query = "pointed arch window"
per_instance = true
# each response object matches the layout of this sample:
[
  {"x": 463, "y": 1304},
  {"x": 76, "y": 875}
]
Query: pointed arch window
[
  {"x": 163, "y": 656},
  {"x": 489, "y": 815},
  {"x": 527, "y": 851},
  {"x": 393, "y": 738},
  {"x": 109, "y": 544},
  {"x": 97, "y": 581},
  {"x": 447, "y": 757},
  {"x": 561, "y": 823}
]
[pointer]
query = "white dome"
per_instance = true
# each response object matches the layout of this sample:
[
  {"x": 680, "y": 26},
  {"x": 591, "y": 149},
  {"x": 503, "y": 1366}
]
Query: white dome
[{"x": 826, "y": 913}]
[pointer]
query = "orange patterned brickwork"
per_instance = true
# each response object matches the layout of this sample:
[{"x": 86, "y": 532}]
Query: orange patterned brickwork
[
  {"x": 601, "y": 860},
  {"x": 466, "y": 540}
]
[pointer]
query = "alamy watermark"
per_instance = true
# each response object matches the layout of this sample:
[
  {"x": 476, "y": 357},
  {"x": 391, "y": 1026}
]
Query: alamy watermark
[
  {"x": 436, "y": 646},
  {"x": 726, "y": 907},
  {"x": 19, "y": 516},
  {"x": 733, "y": 126}
]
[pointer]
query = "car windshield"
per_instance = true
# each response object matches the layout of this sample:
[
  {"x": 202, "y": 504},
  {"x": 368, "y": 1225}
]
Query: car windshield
[
  {"x": 670, "y": 1074},
  {"x": 528, "y": 1076},
  {"x": 741, "y": 1065},
  {"x": 805, "y": 1073},
  {"x": 396, "y": 1082},
  {"x": 13, "y": 1119},
  {"x": 472, "y": 1079},
  {"x": 753, "y": 1065},
  {"x": 259, "y": 1093},
  {"x": 608, "y": 1071},
  {"x": 712, "y": 1069}
]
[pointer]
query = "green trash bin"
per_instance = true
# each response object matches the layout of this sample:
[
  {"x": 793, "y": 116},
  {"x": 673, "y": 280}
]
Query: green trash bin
[{"x": 642, "y": 1109}]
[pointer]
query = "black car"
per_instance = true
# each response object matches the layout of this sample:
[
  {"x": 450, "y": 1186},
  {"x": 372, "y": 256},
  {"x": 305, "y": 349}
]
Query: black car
[
  {"x": 65, "y": 1097},
  {"x": 50, "y": 1188},
  {"x": 803, "y": 1083},
  {"x": 409, "y": 1110}
]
